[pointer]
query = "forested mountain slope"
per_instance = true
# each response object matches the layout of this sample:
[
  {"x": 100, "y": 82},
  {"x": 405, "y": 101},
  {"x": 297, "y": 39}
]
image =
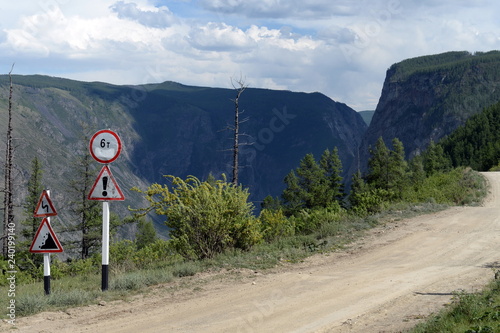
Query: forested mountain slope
[
  {"x": 170, "y": 128},
  {"x": 427, "y": 98},
  {"x": 477, "y": 142}
]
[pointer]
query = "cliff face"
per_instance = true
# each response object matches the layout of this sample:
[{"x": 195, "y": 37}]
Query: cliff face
[
  {"x": 188, "y": 132},
  {"x": 426, "y": 98}
]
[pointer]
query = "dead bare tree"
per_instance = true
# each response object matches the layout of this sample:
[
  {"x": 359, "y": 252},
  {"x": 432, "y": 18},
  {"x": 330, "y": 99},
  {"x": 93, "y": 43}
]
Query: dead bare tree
[
  {"x": 240, "y": 87},
  {"x": 8, "y": 221}
]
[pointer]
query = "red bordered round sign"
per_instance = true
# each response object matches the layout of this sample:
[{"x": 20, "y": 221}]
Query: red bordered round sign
[{"x": 105, "y": 146}]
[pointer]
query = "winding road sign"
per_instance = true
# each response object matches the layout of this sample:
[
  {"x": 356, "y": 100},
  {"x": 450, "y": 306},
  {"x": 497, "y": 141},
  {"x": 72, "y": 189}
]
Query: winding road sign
[{"x": 44, "y": 207}]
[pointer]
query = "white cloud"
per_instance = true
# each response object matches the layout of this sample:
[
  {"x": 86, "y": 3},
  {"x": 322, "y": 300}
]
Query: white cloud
[
  {"x": 156, "y": 18},
  {"x": 341, "y": 48},
  {"x": 219, "y": 37}
]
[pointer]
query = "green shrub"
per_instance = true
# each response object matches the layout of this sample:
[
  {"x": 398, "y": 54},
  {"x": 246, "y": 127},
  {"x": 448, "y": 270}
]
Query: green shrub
[
  {"x": 275, "y": 225},
  {"x": 82, "y": 267},
  {"x": 460, "y": 186},
  {"x": 161, "y": 252},
  {"x": 372, "y": 201},
  {"x": 122, "y": 253},
  {"x": 205, "y": 218},
  {"x": 308, "y": 221}
]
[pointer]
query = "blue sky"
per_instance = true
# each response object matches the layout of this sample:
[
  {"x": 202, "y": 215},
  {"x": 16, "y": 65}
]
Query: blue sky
[{"x": 341, "y": 48}]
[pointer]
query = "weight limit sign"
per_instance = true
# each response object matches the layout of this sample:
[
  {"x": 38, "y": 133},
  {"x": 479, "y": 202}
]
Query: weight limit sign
[{"x": 105, "y": 146}]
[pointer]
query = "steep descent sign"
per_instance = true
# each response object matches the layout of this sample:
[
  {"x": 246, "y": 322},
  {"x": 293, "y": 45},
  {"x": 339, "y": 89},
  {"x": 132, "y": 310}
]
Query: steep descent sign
[
  {"x": 105, "y": 146},
  {"x": 44, "y": 207},
  {"x": 45, "y": 240},
  {"x": 105, "y": 187}
]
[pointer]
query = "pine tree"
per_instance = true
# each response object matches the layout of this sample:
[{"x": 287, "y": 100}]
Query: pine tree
[
  {"x": 378, "y": 164},
  {"x": 388, "y": 168},
  {"x": 435, "y": 160},
  {"x": 89, "y": 212},
  {"x": 312, "y": 182},
  {"x": 312, "y": 185},
  {"x": 292, "y": 195},
  {"x": 416, "y": 172},
  {"x": 397, "y": 174},
  {"x": 332, "y": 167},
  {"x": 358, "y": 188},
  {"x": 30, "y": 224}
]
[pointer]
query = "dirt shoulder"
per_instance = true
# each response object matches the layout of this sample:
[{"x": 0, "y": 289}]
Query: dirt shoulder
[{"x": 387, "y": 282}]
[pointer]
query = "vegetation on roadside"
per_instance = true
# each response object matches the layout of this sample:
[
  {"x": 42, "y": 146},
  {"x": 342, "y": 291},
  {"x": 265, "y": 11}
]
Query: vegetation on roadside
[
  {"x": 468, "y": 313},
  {"x": 213, "y": 227}
]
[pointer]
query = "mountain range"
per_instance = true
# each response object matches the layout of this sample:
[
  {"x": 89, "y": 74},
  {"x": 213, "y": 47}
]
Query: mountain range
[{"x": 173, "y": 129}]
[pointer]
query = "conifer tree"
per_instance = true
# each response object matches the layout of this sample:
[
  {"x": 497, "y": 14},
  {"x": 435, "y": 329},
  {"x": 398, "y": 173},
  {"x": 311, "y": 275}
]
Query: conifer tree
[
  {"x": 292, "y": 195},
  {"x": 88, "y": 212},
  {"x": 378, "y": 164},
  {"x": 30, "y": 224},
  {"x": 416, "y": 172},
  {"x": 314, "y": 184},
  {"x": 311, "y": 181},
  {"x": 388, "y": 168},
  {"x": 358, "y": 188},
  {"x": 397, "y": 173},
  {"x": 332, "y": 167},
  {"x": 435, "y": 160}
]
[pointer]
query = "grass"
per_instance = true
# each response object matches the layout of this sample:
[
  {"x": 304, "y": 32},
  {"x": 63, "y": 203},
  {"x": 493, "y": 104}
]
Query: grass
[
  {"x": 469, "y": 313},
  {"x": 71, "y": 291}
]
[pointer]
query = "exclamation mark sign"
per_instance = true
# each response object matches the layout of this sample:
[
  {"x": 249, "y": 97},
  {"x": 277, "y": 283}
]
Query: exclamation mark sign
[{"x": 104, "y": 186}]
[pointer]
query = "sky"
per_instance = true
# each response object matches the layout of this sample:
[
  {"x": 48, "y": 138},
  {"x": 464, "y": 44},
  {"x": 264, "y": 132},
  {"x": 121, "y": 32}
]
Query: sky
[{"x": 341, "y": 48}]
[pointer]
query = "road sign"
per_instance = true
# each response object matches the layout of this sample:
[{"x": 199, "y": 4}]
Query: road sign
[
  {"x": 105, "y": 187},
  {"x": 105, "y": 146},
  {"x": 45, "y": 240},
  {"x": 44, "y": 207}
]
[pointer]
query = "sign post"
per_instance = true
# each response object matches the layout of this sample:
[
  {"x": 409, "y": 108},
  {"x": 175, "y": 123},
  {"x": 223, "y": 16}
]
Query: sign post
[
  {"x": 105, "y": 147},
  {"x": 45, "y": 240}
]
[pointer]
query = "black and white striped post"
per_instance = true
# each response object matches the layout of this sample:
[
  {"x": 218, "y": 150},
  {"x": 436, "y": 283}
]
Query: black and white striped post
[
  {"x": 105, "y": 146},
  {"x": 105, "y": 246}
]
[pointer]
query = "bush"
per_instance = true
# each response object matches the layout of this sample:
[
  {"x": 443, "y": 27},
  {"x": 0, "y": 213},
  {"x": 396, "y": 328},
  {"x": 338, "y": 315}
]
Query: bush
[
  {"x": 205, "y": 218},
  {"x": 122, "y": 254},
  {"x": 309, "y": 221},
  {"x": 460, "y": 186},
  {"x": 274, "y": 225},
  {"x": 154, "y": 254},
  {"x": 82, "y": 267}
]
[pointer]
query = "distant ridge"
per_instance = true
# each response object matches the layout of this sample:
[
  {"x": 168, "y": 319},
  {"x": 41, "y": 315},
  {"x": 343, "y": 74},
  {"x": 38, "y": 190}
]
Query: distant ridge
[
  {"x": 170, "y": 128},
  {"x": 427, "y": 98}
]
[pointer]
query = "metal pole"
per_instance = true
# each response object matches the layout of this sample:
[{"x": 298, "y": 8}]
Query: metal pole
[
  {"x": 46, "y": 264},
  {"x": 46, "y": 273},
  {"x": 105, "y": 245}
]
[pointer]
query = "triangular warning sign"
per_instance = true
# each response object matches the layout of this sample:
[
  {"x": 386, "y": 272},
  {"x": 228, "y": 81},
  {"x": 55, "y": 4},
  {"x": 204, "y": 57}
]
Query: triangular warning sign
[
  {"x": 45, "y": 240},
  {"x": 105, "y": 187},
  {"x": 44, "y": 207}
]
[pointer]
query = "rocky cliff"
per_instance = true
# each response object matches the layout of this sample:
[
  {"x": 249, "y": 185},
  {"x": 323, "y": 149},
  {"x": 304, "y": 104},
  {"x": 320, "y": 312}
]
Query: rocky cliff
[{"x": 426, "y": 98}]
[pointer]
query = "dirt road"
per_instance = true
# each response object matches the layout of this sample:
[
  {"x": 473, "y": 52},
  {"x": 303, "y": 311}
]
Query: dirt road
[{"x": 387, "y": 282}]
